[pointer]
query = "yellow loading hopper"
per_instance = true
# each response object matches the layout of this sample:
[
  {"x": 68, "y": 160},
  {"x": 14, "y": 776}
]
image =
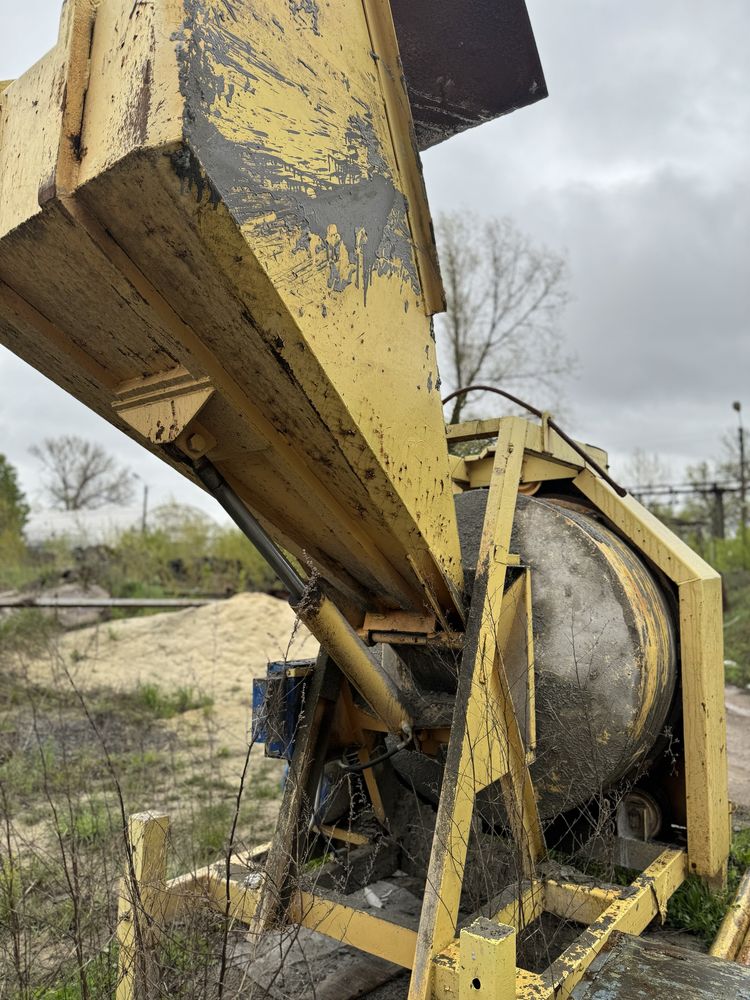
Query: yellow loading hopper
[{"x": 213, "y": 232}]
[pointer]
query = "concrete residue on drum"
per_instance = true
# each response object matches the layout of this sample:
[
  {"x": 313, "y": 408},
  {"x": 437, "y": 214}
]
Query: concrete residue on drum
[{"x": 604, "y": 653}]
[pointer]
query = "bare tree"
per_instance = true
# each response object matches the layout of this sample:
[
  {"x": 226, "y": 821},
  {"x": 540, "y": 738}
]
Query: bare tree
[
  {"x": 80, "y": 475},
  {"x": 647, "y": 475},
  {"x": 505, "y": 299},
  {"x": 647, "y": 469}
]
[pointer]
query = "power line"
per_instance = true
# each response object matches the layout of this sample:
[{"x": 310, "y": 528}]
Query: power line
[{"x": 684, "y": 489}]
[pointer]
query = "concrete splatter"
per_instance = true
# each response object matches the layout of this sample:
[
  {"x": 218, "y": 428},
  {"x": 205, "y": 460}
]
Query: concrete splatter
[{"x": 355, "y": 209}]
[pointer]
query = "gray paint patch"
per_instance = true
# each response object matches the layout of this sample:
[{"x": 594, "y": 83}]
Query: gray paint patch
[
  {"x": 307, "y": 12},
  {"x": 357, "y": 212}
]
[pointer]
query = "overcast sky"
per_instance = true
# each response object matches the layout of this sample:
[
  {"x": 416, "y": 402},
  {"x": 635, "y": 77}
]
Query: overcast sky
[{"x": 637, "y": 165}]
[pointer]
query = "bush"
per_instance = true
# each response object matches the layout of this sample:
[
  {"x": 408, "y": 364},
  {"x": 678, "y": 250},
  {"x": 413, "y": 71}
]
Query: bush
[
  {"x": 14, "y": 512},
  {"x": 184, "y": 552},
  {"x": 28, "y": 630},
  {"x": 737, "y": 627}
]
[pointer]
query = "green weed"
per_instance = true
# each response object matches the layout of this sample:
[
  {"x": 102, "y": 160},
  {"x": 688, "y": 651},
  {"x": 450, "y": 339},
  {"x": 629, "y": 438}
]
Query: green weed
[
  {"x": 737, "y": 628},
  {"x": 161, "y": 704},
  {"x": 210, "y": 829},
  {"x": 11, "y": 889},
  {"x": 698, "y": 910},
  {"x": 89, "y": 823},
  {"x": 100, "y": 974},
  {"x": 263, "y": 790}
]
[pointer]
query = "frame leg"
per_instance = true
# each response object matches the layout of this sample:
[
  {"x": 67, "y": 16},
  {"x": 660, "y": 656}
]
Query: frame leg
[
  {"x": 702, "y": 673},
  {"x": 485, "y": 743},
  {"x": 487, "y": 961},
  {"x": 304, "y": 773},
  {"x": 142, "y": 897}
]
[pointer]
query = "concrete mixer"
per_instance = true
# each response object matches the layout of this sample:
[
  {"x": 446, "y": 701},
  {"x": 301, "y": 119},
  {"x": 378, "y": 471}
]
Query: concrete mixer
[{"x": 214, "y": 232}]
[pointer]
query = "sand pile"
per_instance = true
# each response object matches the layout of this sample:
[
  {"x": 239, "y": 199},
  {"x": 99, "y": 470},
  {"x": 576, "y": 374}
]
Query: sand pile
[{"x": 216, "y": 649}]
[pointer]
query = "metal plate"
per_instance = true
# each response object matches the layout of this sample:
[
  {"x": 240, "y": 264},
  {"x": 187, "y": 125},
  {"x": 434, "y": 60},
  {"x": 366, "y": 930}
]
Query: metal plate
[
  {"x": 635, "y": 969},
  {"x": 466, "y": 62}
]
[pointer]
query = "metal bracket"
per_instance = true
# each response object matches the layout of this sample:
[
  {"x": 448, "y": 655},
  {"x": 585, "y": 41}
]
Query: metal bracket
[
  {"x": 399, "y": 621},
  {"x": 161, "y": 407},
  {"x": 546, "y": 417}
]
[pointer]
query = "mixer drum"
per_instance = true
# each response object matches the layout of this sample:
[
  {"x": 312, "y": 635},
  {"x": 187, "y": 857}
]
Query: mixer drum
[{"x": 604, "y": 651}]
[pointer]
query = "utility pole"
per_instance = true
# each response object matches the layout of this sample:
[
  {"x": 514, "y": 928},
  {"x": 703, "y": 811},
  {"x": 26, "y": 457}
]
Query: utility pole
[
  {"x": 737, "y": 405},
  {"x": 144, "y": 514},
  {"x": 718, "y": 511}
]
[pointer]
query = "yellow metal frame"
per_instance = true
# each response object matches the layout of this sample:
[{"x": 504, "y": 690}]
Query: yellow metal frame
[
  {"x": 446, "y": 961},
  {"x": 260, "y": 306},
  {"x": 734, "y": 934},
  {"x": 485, "y": 949}
]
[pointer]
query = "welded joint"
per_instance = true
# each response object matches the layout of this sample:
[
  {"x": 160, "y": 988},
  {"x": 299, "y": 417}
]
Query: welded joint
[{"x": 545, "y": 420}]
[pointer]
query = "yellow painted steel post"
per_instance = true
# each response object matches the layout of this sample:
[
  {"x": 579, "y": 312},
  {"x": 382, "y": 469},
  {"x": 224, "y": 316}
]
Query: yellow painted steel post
[
  {"x": 487, "y": 961},
  {"x": 485, "y": 741},
  {"x": 736, "y": 923},
  {"x": 704, "y": 722},
  {"x": 142, "y": 899},
  {"x": 515, "y": 784},
  {"x": 702, "y": 672},
  {"x": 743, "y": 955}
]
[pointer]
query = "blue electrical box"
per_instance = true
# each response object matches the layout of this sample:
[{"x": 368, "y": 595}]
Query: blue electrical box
[{"x": 278, "y": 702}]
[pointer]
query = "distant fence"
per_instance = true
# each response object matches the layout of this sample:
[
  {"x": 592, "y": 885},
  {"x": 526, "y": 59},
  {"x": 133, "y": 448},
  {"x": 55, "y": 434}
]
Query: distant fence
[{"x": 106, "y": 602}]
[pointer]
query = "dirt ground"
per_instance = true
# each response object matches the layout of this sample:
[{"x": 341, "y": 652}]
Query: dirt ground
[
  {"x": 194, "y": 759},
  {"x": 212, "y": 652},
  {"x": 216, "y": 650},
  {"x": 738, "y": 745}
]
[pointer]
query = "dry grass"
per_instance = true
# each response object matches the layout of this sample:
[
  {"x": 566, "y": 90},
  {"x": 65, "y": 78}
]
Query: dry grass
[{"x": 102, "y": 723}]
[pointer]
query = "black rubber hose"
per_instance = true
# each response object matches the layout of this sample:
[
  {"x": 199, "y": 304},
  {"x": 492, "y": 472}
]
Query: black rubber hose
[
  {"x": 619, "y": 490},
  {"x": 359, "y": 768}
]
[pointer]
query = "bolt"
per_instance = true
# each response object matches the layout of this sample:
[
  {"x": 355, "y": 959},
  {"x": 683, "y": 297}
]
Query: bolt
[{"x": 196, "y": 443}]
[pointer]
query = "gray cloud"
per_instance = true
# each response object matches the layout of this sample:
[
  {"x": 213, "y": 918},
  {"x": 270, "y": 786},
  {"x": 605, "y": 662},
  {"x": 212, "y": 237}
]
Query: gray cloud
[{"x": 637, "y": 165}]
